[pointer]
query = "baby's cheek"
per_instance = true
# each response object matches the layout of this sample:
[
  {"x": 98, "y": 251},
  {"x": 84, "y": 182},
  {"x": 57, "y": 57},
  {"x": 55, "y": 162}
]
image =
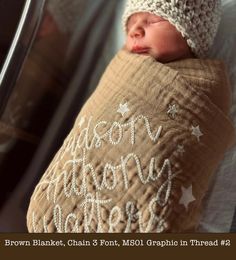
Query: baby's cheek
[
  {"x": 163, "y": 49},
  {"x": 170, "y": 47},
  {"x": 127, "y": 44}
]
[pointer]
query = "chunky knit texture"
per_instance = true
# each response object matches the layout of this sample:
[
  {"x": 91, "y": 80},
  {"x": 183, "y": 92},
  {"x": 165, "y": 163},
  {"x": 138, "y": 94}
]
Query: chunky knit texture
[
  {"x": 132, "y": 162},
  {"x": 197, "y": 20}
]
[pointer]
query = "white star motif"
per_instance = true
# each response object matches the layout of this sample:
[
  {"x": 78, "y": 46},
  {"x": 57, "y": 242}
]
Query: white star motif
[
  {"x": 172, "y": 111},
  {"x": 197, "y": 132},
  {"x": 123, "y": 108},
  {"x": 82, "y": 120},
  {"x": 187, "y": 196},
  {"x": 180, "y": 149}
]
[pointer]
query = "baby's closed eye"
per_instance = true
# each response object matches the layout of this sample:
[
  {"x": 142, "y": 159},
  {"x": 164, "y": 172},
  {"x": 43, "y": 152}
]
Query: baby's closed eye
[{"x": 155, "y": 20}]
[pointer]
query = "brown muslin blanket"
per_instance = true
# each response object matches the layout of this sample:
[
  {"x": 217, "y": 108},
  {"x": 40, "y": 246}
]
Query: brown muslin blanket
[{"x": 141, "y": 152}]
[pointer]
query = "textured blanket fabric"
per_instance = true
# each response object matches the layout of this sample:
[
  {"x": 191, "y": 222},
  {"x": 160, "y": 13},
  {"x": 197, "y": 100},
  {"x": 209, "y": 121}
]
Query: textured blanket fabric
[{"x": 141, "y": 151}]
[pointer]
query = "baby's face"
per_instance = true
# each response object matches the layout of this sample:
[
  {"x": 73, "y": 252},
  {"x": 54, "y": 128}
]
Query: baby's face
[{"x": 148, "y": 34}]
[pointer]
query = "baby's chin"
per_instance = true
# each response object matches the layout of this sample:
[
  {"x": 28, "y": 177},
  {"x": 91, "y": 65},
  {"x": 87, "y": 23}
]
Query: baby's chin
[
  {"x": 160, "y": 56},
  {"x": 169, "y": 57}
]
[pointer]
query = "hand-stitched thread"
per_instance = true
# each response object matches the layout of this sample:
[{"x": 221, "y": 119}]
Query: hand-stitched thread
[
  {"x": 196, "y": 132},
  {"x": 123, "y": 108},
  {"x": 172, "y": 111},
  {"x": 187, "y": 196}
]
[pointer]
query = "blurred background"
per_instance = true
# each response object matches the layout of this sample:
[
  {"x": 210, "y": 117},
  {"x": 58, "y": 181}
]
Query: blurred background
[{"x": 52, "y": 55}]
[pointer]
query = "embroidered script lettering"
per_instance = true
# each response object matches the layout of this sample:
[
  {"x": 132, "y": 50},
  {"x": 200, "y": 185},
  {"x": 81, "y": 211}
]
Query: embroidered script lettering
[{"x": 74, "y": 178}]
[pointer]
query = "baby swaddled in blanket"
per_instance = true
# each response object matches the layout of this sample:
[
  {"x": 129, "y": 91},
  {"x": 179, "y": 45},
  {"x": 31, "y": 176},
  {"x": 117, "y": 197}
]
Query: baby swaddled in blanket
[{"x": 145, "y": 144}]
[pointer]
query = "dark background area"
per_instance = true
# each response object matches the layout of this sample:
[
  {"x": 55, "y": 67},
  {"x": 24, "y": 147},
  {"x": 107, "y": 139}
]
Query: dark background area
[
  {"x": 53, "y": 71},
  {"x": 12, "y": 10}
]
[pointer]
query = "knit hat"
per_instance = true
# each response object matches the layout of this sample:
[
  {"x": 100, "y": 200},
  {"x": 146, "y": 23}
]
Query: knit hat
[{"x": 197, "y": 20}]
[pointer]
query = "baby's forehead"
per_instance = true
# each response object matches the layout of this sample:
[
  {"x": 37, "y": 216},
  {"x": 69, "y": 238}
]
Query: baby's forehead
[{"x": 142, "y": 15}]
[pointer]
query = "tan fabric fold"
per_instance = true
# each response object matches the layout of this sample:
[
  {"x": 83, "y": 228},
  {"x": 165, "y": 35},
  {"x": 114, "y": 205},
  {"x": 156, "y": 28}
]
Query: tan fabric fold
[{"x": 141, "y": 151}]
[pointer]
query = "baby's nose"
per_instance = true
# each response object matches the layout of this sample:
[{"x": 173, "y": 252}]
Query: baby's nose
[{"x": 136, "y": 32}]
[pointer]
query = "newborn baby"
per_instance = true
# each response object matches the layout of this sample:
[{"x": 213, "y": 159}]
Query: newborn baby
[
  {"x": 149, "y": 34},
  {"x": 145, "y": 144}
]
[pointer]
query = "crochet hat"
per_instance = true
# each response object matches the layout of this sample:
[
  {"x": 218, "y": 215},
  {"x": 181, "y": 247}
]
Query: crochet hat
[{"x": 197, "y": 20}]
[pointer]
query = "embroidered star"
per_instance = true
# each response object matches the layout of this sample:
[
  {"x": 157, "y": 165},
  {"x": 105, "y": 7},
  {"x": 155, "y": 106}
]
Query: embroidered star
[
  {"x": 123, "y": 108},
  {"x": 197, "y": 132},
  {"x": 180, "y": 149},
  {"x": 82, "y": 120},
  {"x": 172, "y": 111},
  {"x": 187, "y": 196}
]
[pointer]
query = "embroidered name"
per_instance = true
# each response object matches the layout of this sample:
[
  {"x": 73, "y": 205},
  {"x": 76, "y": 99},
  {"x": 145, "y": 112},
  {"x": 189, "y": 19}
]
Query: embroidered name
[{"x": 72, "y": 173}]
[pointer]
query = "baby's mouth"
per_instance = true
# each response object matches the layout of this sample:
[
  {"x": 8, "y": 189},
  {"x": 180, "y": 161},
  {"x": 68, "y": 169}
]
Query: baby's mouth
[{"x": 140, "y": 50}]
